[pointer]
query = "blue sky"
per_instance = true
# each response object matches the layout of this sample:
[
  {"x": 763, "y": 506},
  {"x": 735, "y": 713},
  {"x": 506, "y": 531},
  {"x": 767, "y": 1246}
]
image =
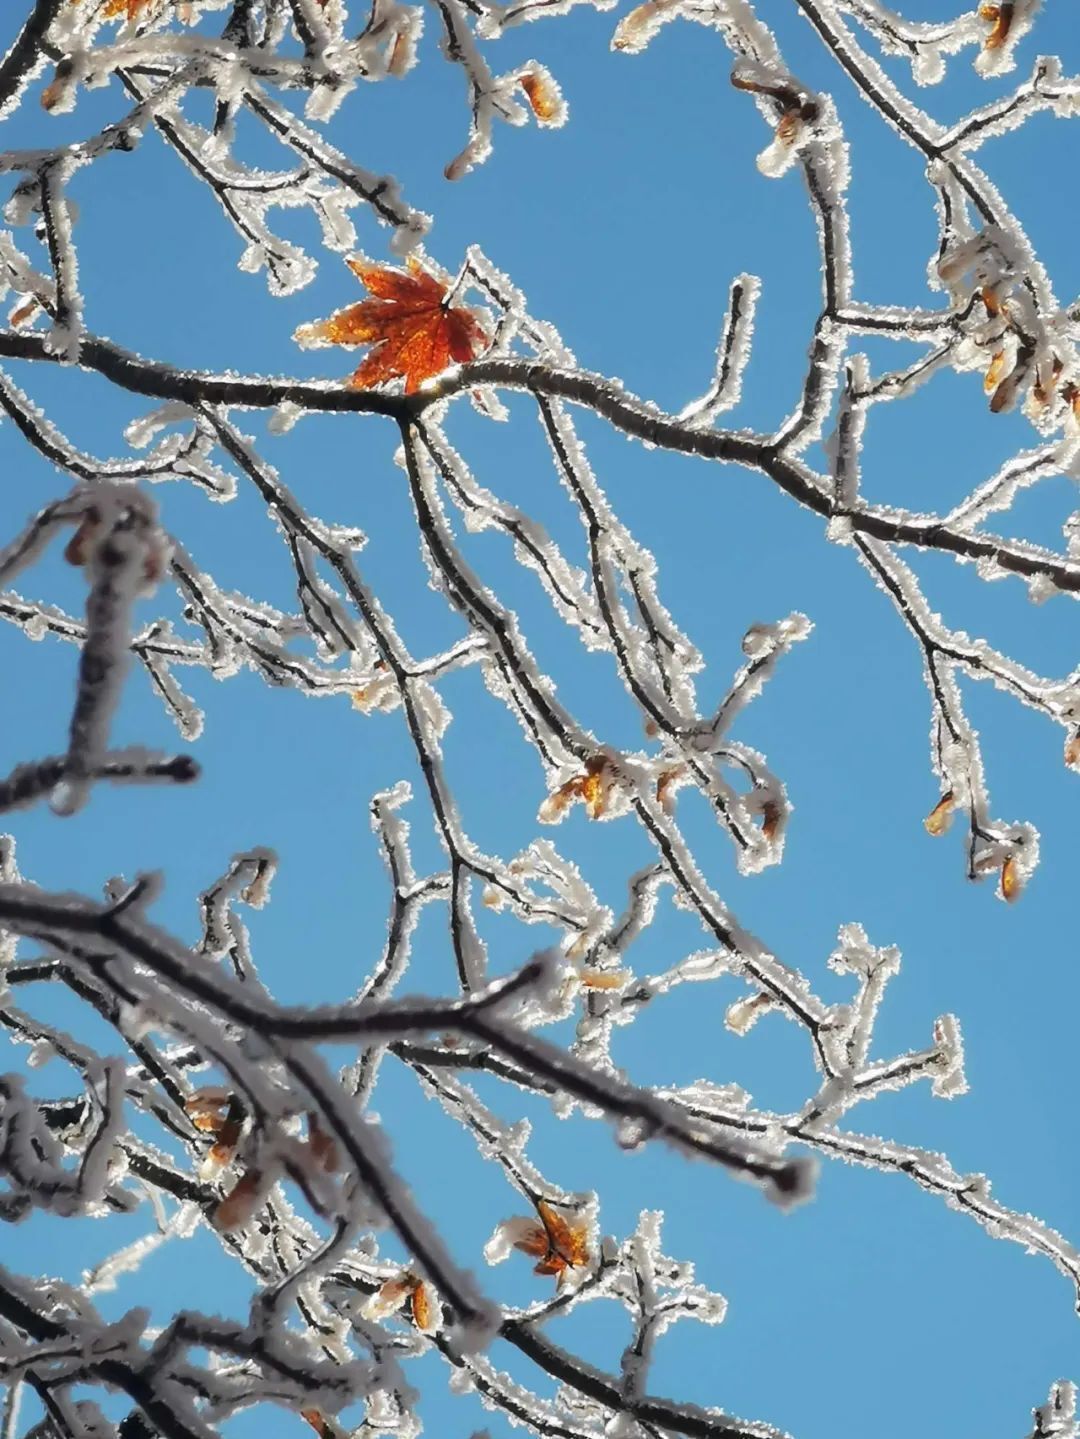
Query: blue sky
[{"x": 874, "y": 1306}]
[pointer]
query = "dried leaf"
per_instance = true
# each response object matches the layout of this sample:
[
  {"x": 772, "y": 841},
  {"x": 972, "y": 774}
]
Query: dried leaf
[
  {"x": 543, "y": 96},
  {"x": 240, "y": 1204},
  {"x": 423, "y": 1309},
  {"x": 593, "y": 787},
  {"x": 24, "y": 311},
  {"x": 602, "y": 978},
  {"x": 567, "y": 1243},
  {"x": 772, "y": 816},
  {"x": 1011, "y": 880},
  {"x": 413, "y": 333},
  {"x": 940, "y": 817},
  {"x": 1072, "y": 749},
  {"x": 995, "y": 371},
  {"x": 319, "y": 1422},
  {"x": 407, "y": 1290},
  {"x": 207, "y": 1108},
  {"x": 1000, "y": 17}
]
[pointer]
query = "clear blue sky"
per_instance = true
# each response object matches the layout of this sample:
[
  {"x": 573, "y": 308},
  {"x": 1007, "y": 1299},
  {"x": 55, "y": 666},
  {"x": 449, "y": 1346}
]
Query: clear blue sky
[{"x": 874, "y": 1307}]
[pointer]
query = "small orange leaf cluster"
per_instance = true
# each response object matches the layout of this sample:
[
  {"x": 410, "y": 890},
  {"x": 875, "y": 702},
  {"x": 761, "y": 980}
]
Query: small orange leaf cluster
[
  {"x": 595, "y": 787},
  {"x": 1072, "y": 750},
  {"x": 1016, "y": 367},
  {"x": 218, "y": 1113},
  {"x": 413, "y": 331},
  {"x": 558, "y": 1245},
  {"x": 1011, "y": 881}
]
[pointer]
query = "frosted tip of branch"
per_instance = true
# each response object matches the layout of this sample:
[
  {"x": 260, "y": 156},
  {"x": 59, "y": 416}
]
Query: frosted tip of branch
[{"x": 792, "y": 1183}]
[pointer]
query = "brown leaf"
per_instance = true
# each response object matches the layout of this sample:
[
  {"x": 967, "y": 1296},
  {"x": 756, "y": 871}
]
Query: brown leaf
[
  {"x": 319, "y": 1422},
  {"x": 772, "y": 816},
  {"x": 423, "y": 1311},
  {"x": 567, "y": 1244},
  {"x": 412, "y": 331},
  {"x": 241, "y": 1202}
]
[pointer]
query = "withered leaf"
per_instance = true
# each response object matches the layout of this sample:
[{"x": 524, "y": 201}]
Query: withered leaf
[{"x": 412, "y": 330}]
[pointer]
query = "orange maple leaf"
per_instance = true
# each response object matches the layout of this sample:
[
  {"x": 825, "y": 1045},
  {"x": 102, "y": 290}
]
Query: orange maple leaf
[{"x": 412, "y": 330}]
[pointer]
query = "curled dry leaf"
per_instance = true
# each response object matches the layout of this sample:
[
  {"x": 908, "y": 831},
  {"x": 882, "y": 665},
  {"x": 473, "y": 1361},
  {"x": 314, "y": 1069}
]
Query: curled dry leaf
[
  {"x": 414, "y": 333},
  {"x": 1000, "y": 19},
  {"x": 1072, "y": 750}
]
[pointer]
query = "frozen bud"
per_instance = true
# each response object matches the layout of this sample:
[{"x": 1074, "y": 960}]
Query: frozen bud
[
  {"x": 772, "y": 819},
  {"x": 544, "y": 96},
  {"x": 667, "y": 784},
  {"x": 636, "y": 29},
  {"x": 940, "y": 817},
  {"x": 1012, "y": 880},
  {"x": 949, "y": 1080},
  {"x": 927, "y": 65},
  {"x": 402, "y": 54},
  {"x": 474, "y": 153},
  {"x": 745, "y": 1013},
  {"x": 593, "y": 978}
]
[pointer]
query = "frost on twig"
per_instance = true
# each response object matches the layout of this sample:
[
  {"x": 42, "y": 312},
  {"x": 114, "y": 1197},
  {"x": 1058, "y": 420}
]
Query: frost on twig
[{"x": 224, "y": 1113}]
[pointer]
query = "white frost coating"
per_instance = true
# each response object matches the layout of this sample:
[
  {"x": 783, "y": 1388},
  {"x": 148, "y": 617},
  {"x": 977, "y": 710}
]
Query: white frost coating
[{"x": 298, "y": 1170}]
